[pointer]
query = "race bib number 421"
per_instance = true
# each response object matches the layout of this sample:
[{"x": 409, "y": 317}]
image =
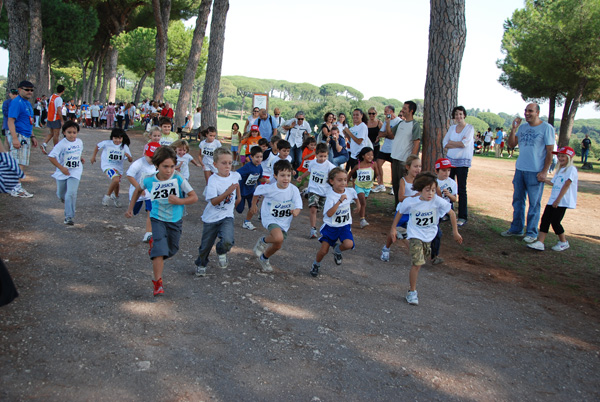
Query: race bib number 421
[{"x": 161, "y": 190}]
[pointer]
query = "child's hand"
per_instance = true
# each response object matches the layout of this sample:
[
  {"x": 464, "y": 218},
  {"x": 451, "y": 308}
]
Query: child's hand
[
  {"x": 254, "y": 209},
  {"x": 343, "y": 198},
  {"x": 555, "y": 204},
  {"x": 457, "y": 237},
  {"x": 298, "y": 179},
  {"x": 296, "y": 212},
  {"x": 173, "y": 199},
  {"x": 233, "y": 187},
  {"x": 93, "y": 160},
  {"x": 129, "y": 213},
  {"x": 66, "y": 172}
]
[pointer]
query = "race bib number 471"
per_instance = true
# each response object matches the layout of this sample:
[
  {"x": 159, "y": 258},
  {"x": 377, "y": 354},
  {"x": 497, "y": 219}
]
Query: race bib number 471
[{"x": 161, "y": 190}]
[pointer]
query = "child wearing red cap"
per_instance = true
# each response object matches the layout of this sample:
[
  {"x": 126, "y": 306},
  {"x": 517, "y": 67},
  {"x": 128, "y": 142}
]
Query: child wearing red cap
[
  {"x": 137, "y": 171},
  {"x": 447, "y": 189},
  {"x": 562, "y": 197},
  {"x": 251, "y": 139}
]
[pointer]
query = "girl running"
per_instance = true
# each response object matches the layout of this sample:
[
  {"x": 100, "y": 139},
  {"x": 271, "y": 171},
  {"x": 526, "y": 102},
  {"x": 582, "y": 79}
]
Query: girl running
[
  {"x": 366, "y": 171},
  {"x": 113, "y": 152}
]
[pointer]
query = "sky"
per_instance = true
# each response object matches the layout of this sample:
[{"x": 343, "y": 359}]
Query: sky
[{"x": 378, "y": 47}]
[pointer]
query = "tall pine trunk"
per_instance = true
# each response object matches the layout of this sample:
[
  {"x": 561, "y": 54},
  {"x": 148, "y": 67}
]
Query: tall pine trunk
[
  {"x": 106, "y": 76},
  {"x": 140, "y": 86},
  {"x": 162, "y": 10},
  {"x": 44, "y": 84},
  {"x": 99, "y": 76},
  {"x": 447, "y": 36},
  {"x": 215, "y": 61},
  {"x": 35, "y": 43},
  {"x": 18, "y": 16},
  {"x": 185, "y": 92}
]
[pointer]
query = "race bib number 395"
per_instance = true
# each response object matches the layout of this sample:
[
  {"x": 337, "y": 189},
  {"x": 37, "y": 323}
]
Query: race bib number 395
[{"x": 161, "y": 190}]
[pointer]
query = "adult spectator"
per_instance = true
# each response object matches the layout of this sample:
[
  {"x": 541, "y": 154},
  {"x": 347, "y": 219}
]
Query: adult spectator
[
  {"x": 120, "y": 109},
  {"x": 297, "y": 129},
  {"x": 374, "y": 127},
  {"x": 12, "y": 94},
  {"x": 267, "y": 124},
  {"x": 406, "y": 142},
  {"x": 72, "y": 110},
  {"x": 337, "y": 145},
  {"x": 458, "y": 146},
  {"x": 585, "y": 148},
  {"x": 197, "y": 121},
  {"x": 95, "y": 111},
  {"x": 487, "y": 140},
  {"x": 342, "y": 122},
  {"x": 536, "y": 141},
  {"x": 388, "y": 127},
  {"x": 20, "y": 125},
  {"x": 251, "y": 120},
  {"x": 37, "y": 111},
  {"x": 55, "y": 117},
  {"x": 280, "y": 120},
  {"x": 328, "y": 122},
  {"x": 44, "y": 111},
  {"x": 498, "y": 140},
  {"x": 357, "y": 135}
]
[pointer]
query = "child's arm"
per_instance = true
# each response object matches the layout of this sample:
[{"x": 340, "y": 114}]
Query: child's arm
[
  {"x": 300, "y": 178},
  {"x": 254, "y": 208},
  {"x": 178, "y": 166},
  {"x": 219, "y": 199},
  {"x": 309, "y": 155},
  {"x": 562, "y": 193},
  {"x": 335, "y": 206},
  {"x": 296, "y": 212},
  {"x": 238, "y": 195},
  {"x": 394, "y": 224},
  {"x": 193, "y": 161},
  {"x": 189, "y": 199},
  {"x": 455, "y": 233},
  {"x": 200, "y": 159},
  {"x": 377, "y": 169},
  {"x": 93, "y": 160},
  {"x": 128, "y": 156},
  {"x": 451, "y": 197},
  {"x": 60, "y": 167},
  {"x": 136, "y": 194},
  {"x": 354, "y": 169},
  {"x": 401, "y": 196}
]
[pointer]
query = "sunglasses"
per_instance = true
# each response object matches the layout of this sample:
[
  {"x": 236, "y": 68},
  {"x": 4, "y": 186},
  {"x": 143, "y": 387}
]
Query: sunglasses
[
  {"x": 27, "y": 89},
  {"x": 300, "y": 119},
  {"x": 372, "y": 114},
  {"x": 255, "y": 111}
]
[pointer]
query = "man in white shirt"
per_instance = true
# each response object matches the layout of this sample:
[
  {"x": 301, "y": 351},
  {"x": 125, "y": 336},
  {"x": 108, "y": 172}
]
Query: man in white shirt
[
  {"x": 197, "y": 121},
  {"x": 95, "y": 111},
  {"x": 296, "y": 128},
  {"x": 385, "y": 152}
]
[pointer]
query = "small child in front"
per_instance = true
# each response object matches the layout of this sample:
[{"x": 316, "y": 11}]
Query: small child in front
[
  {"x": 207, "y": 150},
  {"x": 337, "y": 218},
  {"x": 166, "y": 188},
  {"x": 280, "y": 204},
  {"x": 66, "y": 156},
  {"x": 424, "y": 212},
  {"x": 222, "y": 195},
  {"x": 250, "y": 173},
  {"x": 184, "y": 158},
  {"x": 446, "y": 189}
]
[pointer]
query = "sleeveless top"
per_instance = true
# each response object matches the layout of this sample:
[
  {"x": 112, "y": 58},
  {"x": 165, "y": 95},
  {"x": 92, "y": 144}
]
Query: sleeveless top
[{"x": 373, "y": 133}]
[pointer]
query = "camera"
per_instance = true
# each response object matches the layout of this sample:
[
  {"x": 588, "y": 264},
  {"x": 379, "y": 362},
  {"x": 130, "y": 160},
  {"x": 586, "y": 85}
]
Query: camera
[{"x": 389, "y": 116}]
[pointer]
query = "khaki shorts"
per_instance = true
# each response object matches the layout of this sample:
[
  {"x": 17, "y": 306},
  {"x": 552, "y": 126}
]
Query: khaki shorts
[
  {"x": 316, "y": 200},
  {"x": 21, "y": 155},
  {"x": 419, "y": 251}
]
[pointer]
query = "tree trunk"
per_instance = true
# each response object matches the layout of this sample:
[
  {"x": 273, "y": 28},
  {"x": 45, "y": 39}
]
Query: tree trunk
[
  {"x": 138, "y": 93},
  {"x": 162, "y": 10},
  {"x": 106, "y": 78},
  {"x": 113, "y": 56},
  {"x": 242, "y": 111},
  {"x": 99, "y": 77},
  {"x": 552, "y": 108},
  {"x": 447, "y": 36},
  {"x": 569, "y": 112},
  {"x": 89, "y": 89},
  {"x": 18, "y": 16},
  {"x": 215, "y": 60},
  {"x": 185, "y": 92},
  {"x": 84, "y": 80},
  {"x": 44, "y": 84},
  {"x": 35, "y": 42}
]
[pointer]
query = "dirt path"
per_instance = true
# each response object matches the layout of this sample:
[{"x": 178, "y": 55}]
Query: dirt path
[{"x": 87, "y": 328}]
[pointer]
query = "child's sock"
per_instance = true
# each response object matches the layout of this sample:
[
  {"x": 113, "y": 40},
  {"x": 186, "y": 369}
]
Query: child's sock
[
  {"x": 318, "y": 264},
  {"x": 337, "y": 250}
]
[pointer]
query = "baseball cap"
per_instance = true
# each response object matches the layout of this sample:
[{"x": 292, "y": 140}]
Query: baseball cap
[
  {"x": 25, "y": 84},
  {"x": 254, "y": 127},
  {"x": 565, "y": 150},
  {"x": 443, "y": 163},
  {"x": 150, "y": 148}
]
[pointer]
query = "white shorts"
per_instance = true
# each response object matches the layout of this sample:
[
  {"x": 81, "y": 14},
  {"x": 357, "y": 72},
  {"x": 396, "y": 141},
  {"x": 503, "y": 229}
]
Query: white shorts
[{"x": 209, "y": 167}]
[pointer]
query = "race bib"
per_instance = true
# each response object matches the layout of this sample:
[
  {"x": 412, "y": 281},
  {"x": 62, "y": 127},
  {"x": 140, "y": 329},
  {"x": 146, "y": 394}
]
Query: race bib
[
  {"x": 305, "y": 163},
  {"x": 281, "y": 209},
  {"x": 364, "y": 176},
  {"x": 161, "y": 190},
  {"x": 208, "y": 152},
  {"x": 317, "y": 177},
  {"x": 72, "y": 161},
  {"x": 115, "y": 155},
  {"x": 252, "y": 179},
  {"x": 341, "y": 216},
  {"x": 423, "y": 219}
]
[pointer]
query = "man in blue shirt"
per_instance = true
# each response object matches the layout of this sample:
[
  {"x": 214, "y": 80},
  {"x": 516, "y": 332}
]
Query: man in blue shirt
[
  {"x": 20, "y": 124},
  {"x": 267, "y": 124},
  {"x": 12, "y": 94}
]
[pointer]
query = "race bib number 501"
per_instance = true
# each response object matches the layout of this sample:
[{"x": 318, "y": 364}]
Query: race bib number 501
[{"x": 161, "y": 190}]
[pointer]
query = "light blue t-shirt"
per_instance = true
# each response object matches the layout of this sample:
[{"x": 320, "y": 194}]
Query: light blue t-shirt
[
  {"x": 266, "y": 127},
  {"x": 532, "y": 146},
  {"x": 160, "y": 190}
]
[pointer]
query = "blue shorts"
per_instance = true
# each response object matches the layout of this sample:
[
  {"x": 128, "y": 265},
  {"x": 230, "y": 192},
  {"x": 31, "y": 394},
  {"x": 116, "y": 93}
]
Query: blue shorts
[
  {"x": 403, "y": 220},
  {"x": 365, "y": 191},
  {"x": 138, "y": 206},
  {"x": 234, "y": 148},
  {"x": 244, "y": 199},
  {"x": 332, "y": 234},
  {"x": 165, "y": 238}
]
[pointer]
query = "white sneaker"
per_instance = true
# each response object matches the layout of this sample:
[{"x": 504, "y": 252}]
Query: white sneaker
[
  {"x": 363, "y": 223},
  {"x": 379, "y": 188},
  {"x": 265, "y": 264},
  {"x": 106, "y": 200},
  {"x": 200, "y": 271},
  {"x": 147, "y": 237},
  {"x": 20, "y": 192},
  {"x": 529, "y": 239},
  {"x": 392, "y": 191},
  {"x": 313, "y": 233},
  {"x": 561, "y": 246},
  {"x": 260, "y": 247},
  {"x": 115, "y": 200},
  {"x": 248, "y": 225},
  {"x": 385, "y": 254},
  {"x": 400, "y": 232},
  {"x": 223, "y": 261},
  {"x": 538, "y": 245},
  {"x": 412, "y": 298}
]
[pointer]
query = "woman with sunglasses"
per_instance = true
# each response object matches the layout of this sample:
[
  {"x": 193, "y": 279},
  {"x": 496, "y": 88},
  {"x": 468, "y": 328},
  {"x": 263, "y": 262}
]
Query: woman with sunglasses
[
  {"x": 374, "y": 126},
  {"x": 251, "y": 120}
]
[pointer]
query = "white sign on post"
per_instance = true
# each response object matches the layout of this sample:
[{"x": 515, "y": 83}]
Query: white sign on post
[{"x": 261, "y": 101}]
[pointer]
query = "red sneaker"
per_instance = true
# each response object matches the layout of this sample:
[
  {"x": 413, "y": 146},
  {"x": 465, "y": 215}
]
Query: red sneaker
[
  {"x": 150, "y": 243},
  {"x": 158, "y": 287}
]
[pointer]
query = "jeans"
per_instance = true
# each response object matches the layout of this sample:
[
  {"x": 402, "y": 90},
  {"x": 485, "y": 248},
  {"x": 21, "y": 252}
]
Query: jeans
[
  {"x": 526, "y": 185},
  {"x": 224, "y": 230},
  {"x": 584, "y": 154},
  {"x": 66, "y": 191},
  {"x": 296, "y": 154},
  {"x": 398, "y": 172},
  {"x": 126, "y": 121},
  {"x": 436, "y": 243},
  {"x": 339, "y": 160},
  {"x": 459, "y": 174}
]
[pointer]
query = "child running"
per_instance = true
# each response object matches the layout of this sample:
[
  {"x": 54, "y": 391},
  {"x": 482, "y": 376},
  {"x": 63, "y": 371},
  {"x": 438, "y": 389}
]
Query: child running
[
  {"x": 154, "y": 134},
  {"x": 562, "y": 197},
  {"x": 366, "y": 172},
  {"x": 308, "y": 154},
  {"x": 447, "y": 189},
  {"x": 66, "y": 156},
  {"x": 250, "y": 139},
  {"x": 207, "y": 149},
  {"x": 184, "y": 158},
  {"x": 280, "y": 204},
  {"x": 137, "y": 171},
  {"x": 250, "y": 173},
  {"x": 337, "y": 218},
  {"x": 424, "y": 212},
  {"x": 166, "y": 187},
  {"x": 318, "y": 185},
  {"x": 113, "y": 152},
  {"x": 222, "y": 195},
  {"x": 283, "y": 153}
]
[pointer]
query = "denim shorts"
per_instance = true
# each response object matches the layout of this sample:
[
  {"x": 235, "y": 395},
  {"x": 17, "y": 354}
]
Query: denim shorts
[{"x": 166, "y": 237}]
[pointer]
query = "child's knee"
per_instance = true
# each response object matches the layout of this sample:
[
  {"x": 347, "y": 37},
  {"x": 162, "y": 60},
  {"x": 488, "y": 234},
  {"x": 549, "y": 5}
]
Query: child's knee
[{"x": 347, "y": 244}]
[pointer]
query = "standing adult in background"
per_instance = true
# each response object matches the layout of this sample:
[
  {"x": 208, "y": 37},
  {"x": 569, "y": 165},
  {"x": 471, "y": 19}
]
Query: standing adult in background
[
  {"x": 536, "y": 142},
  {"x": 120, "y": 114},
  {"x": 72, "y": 110},
  {"x": 280, "y": 120},
  {"x": 127, "y": 115},
  {"x": 167, "y": 111},
  {"x": 388, "y": 127},
  {"x": 585, "y": 148},
  {"x": 132, "y": 110},
  {"x": 12, "y": 94},
  {"x": 251, "y": 120},
  {"x": 196, "y": 122},
  {"x": 458, "y": 147},
  {"x": 498, "y": 140},
  {"x": 44, "y": 111},
  {"x": 407, "y": 140},
  {"x": 374, "y": 126},
  {"x": 55, "y": 117},
  {"x": 267, "y": 124},
  {"x": 297, "y": 128},
  {"x": 357, "y": 136},
  {"x": 95, "y": 112},
  {"x": 20, "y": 125},
  {"x": 487, "y": 140},
  {"x": 337, "y": 145},
  {"x": 342, "y": 122}
]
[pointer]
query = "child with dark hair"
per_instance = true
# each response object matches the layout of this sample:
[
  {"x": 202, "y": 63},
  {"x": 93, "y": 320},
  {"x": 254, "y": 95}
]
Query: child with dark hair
[
  {"x": 168, "y": 137},
  {"x": 424, "y": 213},
  {"x": 366, "y": 172},
  {"x": 207, "y": 149},
  {"x": 113, "y": 153},
  {"x": 250, "y": 174},
  {"x": 166, "y": 188},
  {"x": 283, "y": 153}
]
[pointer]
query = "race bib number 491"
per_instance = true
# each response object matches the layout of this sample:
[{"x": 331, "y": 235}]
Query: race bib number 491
[{"x": 161, "y": 190}]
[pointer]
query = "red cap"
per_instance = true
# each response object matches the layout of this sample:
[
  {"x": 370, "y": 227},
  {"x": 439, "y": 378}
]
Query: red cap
[
  {"x": 565, "y": 150},
  {"x": 150, "y": 148},
  {"x": 443, "y": 163},
  {"x": 254, "y": 128}
]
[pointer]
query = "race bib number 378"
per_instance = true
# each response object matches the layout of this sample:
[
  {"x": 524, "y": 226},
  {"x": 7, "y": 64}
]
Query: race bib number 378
[{"x": 161, "y": 190}]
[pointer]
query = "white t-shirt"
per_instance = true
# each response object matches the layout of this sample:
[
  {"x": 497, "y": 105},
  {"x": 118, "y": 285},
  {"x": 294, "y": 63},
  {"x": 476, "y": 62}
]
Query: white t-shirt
[
  {"x": 139, "y": 169},
  {"x": 387, "y": 142},
  {"x": 197, "y": 120},
  {"x": 569, "y": 200},
  {"x": 318, "y": 177},
  {"x": 448, "y": 184},
  {"x": 487, "y": 136},
  {"x": 95, "y": 110},
  {"x": 278, "y": 204},
  {"x": 207, "y": 150},
  {"x": 112, "y": 155},
  {"x": 68, "y": 154},
  {"x": 216, "y": 186},
  {"x": 360, "y": 131},
  {"x": 424, "y": 216},
  {"x": 343, "y": 215},
  {"x": 273, "y": 159},
  {"x": 185, "y": 165}
]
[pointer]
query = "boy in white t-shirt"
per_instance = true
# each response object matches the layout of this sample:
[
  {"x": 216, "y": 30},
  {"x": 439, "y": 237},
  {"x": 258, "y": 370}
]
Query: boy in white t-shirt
[
  {"x": 318, "y": 187},
  {"x": 222, "y": 195},
  {"x": 280, "y": 204},
  {"x": 207, "y": 149},
  {"x": 137, "y": 171},
  {"x": 424, "y": 212},
  {"x": 447, "y": 189},
  {"x": 282, "y": 153}
]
